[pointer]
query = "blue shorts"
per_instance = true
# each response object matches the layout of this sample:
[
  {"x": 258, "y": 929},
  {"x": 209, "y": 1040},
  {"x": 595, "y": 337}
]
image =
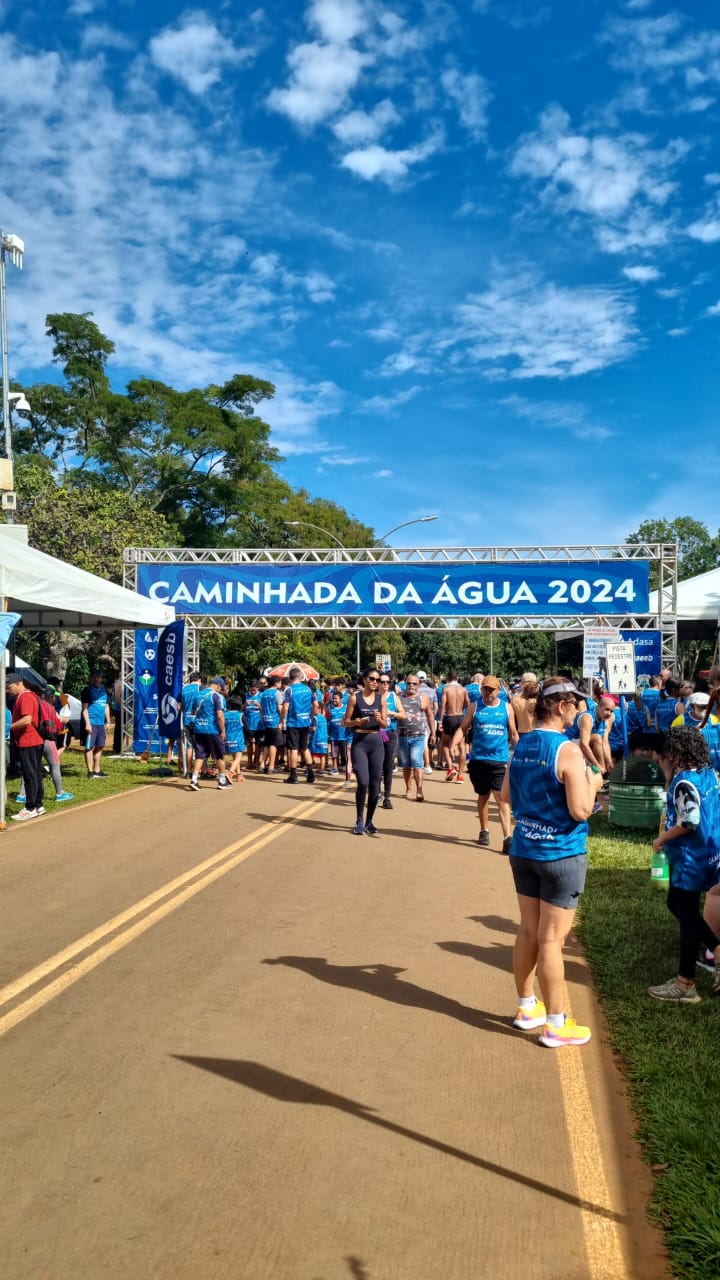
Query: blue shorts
[
  {"x": 557, "y": 881},
  {"x": 209, "y": 744},
  {"x": 96, "y": 738},
  {"x": 411, "y": 752}
]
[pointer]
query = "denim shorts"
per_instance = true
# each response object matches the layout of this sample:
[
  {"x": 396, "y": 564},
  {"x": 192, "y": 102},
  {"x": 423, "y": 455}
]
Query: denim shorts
[
  {"x": 411, "y": 752},
  {"x": 557, "y": 881}
]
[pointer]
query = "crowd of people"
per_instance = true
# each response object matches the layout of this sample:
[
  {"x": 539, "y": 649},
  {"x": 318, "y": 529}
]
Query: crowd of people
[{"x": 541, "y": 749}]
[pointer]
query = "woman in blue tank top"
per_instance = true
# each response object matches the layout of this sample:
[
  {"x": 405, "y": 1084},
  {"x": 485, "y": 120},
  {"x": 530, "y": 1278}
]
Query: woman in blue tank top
[{"x": 552, "y": 793}]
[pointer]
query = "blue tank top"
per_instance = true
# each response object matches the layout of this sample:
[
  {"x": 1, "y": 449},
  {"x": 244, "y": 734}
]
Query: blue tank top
[
  {"x": 572, "y": 731},
  {"x": 392, "y": 723},
  {"x": 188, "y": 700},
  {"x": 711, "y": 734},
  {"x": 251, "y": 714},
  {"x": 206, "y": 710},
  {"x": 319, "y": 741},
  {"x": 473, "y": 692},
  {"x": 545, "y": 828},
  {"x": 664, "y": 713},
  {"x": 336, "y": 729},
  {"x": 300, "y": 699},
  {"x": 616, "y": 733},
  {"x": 234, "y": 731},
  {"x": 694, "y": 857},
  {"x": 269, "y": 710},
  {"x": 490, "y": 740}
]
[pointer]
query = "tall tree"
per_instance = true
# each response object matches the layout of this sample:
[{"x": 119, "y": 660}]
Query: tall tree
[{"x": 698, "y": 549}]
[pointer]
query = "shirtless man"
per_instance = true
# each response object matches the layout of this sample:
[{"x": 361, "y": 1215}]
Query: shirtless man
[{"x": 454, "y": 704}]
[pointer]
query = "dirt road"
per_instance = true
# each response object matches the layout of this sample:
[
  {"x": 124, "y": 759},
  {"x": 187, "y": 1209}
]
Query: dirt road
[{"x": 239, "y": 1043}]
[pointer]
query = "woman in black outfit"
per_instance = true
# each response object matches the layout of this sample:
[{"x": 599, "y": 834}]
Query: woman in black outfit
[{"x": 366, "y": 715}]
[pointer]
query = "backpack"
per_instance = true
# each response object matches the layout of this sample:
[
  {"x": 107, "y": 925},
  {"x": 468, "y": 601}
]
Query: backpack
[{"x": 47, "y": 726}]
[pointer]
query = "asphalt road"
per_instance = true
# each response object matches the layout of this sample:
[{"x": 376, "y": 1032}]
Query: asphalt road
[{"x": 239, "y": 1043}]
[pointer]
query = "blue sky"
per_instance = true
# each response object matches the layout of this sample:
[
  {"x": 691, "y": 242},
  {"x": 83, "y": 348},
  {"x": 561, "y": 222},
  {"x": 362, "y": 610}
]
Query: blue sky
[{"x": 474, "y": 244}]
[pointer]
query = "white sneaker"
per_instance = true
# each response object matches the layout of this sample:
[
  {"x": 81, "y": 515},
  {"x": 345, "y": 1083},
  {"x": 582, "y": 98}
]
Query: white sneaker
[
  {"x": 39, "y": 812},
  {"x": 24, "y": 815},
  {"x": 428, "y": 772}
]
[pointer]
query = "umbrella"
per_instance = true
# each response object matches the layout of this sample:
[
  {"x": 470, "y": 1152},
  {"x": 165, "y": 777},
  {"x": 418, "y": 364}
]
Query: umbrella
[{"x": 282, "y": 670}]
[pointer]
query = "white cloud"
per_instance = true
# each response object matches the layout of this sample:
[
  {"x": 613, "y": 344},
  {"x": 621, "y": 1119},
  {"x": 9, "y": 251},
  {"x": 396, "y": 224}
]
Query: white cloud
[
  {"x": 382, "y": 405},
  {"x": 195, "y": 52},
  {"x": 642, "y": 275},
  {"x": 321, "y": 77},
  {"x": 98, "y": 35},
  {"x": 562, "y": 415},
  {"x": 540, "y": 330},
  {"x": 338, "y": 21},
  {"x": 366, "y": 126},
  {"x": 669, "y": 293},
  {"x": 620, "y": 182},
  {"x": 677, "y": 333},
  {"x": 389, "y": 166},
  {"x": 382, "y": 475},
  {"x": 343, "y": 460},
  {"x": 664, "y": 50},
  {"x": 470, "y": 94},
  {"x": 712, "y": 179},
  {"x": 714, "y": 310},
  {"x": 706, "y": 229}
]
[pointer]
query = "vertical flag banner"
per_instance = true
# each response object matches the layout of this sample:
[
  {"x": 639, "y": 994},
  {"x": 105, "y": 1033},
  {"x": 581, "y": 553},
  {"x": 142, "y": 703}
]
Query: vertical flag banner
[
  {"x": 7, "y": 622},
  {"x": 169, "y": 678},
  {"x": 145, "y": 691}
]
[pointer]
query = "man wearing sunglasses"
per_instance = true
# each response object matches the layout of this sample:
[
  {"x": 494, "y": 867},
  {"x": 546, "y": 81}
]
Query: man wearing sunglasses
[{"x": 413, "y": 732}]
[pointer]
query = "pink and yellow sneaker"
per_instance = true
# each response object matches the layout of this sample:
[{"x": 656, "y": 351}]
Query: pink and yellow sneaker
[
  {"x": 530, "y": 1019},
  {"x": 568, "y": 1034}
]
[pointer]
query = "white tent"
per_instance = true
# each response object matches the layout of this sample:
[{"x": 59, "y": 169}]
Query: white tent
[
  {"x": 698, "y": 599},
  {"x": 50, "y": 594}
]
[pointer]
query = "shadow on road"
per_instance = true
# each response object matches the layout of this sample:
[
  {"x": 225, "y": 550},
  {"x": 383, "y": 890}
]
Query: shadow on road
[
  {"x": 499, "y": 923},
  {"x": 315, "y": 824},
  {"x": 285, "y": 1088},
  {"x": 383, "y": 982},
  {"x": 499, "y": 955}
]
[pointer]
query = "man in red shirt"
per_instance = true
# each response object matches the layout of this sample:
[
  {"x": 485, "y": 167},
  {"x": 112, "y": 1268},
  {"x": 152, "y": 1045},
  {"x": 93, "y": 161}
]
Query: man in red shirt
[{"x": 24, "y": 727}]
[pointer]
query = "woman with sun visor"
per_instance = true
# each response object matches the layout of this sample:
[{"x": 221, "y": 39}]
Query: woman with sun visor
[{"x": 552, "y": 791}]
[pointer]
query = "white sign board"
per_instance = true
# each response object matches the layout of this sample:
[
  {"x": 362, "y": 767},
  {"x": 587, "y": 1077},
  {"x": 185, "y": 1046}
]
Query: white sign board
[
  {"x": 620, "y": 676},
  {"x": 594, "y": 641},
  {"x": 382, "y": 661}
]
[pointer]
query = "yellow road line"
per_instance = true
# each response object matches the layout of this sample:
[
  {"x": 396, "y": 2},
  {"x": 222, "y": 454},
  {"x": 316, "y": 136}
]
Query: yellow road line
[
  {"x": 275, "y": 827},
  {"x": 601, "y": 1236}
]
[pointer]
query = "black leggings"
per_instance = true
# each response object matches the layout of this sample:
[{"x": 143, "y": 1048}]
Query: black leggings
[
  {"x": 390, "y": 750},
  {"x": 367, "y": 761},
  {"x": 685, "y": 906}
]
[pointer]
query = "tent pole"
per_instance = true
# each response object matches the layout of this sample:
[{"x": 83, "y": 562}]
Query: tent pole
[{"x": 3, "y": 744}]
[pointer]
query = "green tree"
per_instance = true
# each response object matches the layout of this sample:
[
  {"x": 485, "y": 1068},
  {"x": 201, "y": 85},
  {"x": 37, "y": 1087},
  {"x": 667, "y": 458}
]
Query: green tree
[{"x": 698, "y": 549}]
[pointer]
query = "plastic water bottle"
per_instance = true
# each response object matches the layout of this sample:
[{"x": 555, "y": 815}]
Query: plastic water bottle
[{"x": 660, "y": 869}]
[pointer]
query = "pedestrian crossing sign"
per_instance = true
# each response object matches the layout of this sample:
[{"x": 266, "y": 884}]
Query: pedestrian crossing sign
[{"x": 620, "y": 674}]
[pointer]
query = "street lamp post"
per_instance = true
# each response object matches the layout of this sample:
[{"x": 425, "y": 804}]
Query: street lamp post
[
  {"x": 306, "y": 524},
  {"x": 14, "y": 248}
]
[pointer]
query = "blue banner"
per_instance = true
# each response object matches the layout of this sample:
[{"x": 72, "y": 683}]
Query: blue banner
[
  {"x": 541, "y": 589},
  {"x": 145, "y": 692},
  {"x": 7, "y": 622},
  {"x": 648, "y": 651},
  {"x": 169, "y": 679}
]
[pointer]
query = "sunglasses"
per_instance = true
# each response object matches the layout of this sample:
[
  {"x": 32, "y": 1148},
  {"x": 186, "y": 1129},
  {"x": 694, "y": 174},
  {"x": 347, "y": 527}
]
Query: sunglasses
[
  {"x": 384, "y": 680},
  {"x": 373, "y": 678},
  {"x": 412, "y": 684}
]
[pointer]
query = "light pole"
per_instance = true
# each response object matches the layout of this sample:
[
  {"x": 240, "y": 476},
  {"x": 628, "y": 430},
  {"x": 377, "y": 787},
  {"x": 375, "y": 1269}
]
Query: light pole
[
  {"x": 14, "y": 248},
  {"x": 308, "y": 525},
  {"x": 404, "y": 525}
]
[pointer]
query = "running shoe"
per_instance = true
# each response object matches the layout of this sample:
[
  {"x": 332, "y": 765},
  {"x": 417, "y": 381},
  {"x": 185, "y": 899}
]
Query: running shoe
[
  {"x": 568, "y": 1034},
  {"x": 371, "y": 829},
  {"x": 194, "y": 784},
  {"x": 460, "y": 777},
  {"x": 420, "y": 797},
  {"x": 484, "y": 837},
  {"x": 20, "y": 799},
  {"x": 39, "y": 811},
  {"x": 101, "y": 775},
  {"x": 348, "y": 784},
  {"x": 292, "y": 779},
  {"x": 428, "y": 772},
  {"x": 451, "y": 774},
  {"x": 358, "y": 829},
  {"x": 310, "y": 775},
  {"x": 706, "y": 960},
  {"x": 530, "y": 1019},
  {"x": 507, "y": 846},
  {"x": 672, "y": 990},
  {"x": 334, "y": 773},
  {"x": 223, "y": 786},
  {"x": 24, "y": 815},
  {"x": 387, "y": 803},
  {"x": 64, "y": 795}
]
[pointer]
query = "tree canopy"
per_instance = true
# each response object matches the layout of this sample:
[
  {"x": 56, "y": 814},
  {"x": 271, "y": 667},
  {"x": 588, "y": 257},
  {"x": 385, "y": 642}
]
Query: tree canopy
[{"x": 698, "y": 549}]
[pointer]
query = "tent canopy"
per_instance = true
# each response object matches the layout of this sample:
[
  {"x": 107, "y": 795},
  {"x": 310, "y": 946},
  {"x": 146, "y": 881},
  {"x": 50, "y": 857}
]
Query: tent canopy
[
  {"x": 698, "y": 599},
  {"x": 50, "y": 594}
]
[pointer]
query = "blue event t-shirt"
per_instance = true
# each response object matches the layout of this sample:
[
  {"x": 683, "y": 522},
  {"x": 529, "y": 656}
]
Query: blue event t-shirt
[
  {"x": 299, "y": 698},
  {"x": 97, "y": 701},
  {"x": 188, "y": 701},
  {"x": 693, "y": 801},
  {"x": 251, "y": 714},
  {"x": 269, "y": 709},
  {"x": 206, "y": 709},
  {"x": 234, "y": 735},
  {"x": 336, "y": 729},
  {"x": 490, "y": 740},
  {"x": 545, "y": 829}
]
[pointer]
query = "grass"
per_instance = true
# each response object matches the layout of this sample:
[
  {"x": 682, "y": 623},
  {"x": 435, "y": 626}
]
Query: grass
[
  {"x": 123, "y": 774},
  {"x": 669, "y": 1054}
]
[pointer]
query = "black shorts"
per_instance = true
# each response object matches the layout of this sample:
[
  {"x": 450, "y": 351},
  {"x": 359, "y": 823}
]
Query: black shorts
[
  {"x": 559, "y": 881},
  {"x": 486, "y": 776},
  {"x": 209, "y": 745},
  {"x": 255, "y": 735},
  {"x": 297, "y": 738},
  {"x": 273, "y": 737},
  {"x": 451, "y": 724}
]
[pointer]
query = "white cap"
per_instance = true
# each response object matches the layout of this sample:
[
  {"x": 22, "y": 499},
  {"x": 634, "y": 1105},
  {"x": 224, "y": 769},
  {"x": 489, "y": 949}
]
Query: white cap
[
  {"x": 422, "y": 675},
  {"x": 699, "y": 699}
]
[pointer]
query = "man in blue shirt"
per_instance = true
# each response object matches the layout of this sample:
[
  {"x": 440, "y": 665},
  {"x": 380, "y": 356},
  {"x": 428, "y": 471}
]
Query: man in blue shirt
[
  {"x": 96, "y": 720},
  {"x": 299, "y": 707},
  {"x": 270, "y": 707},
  {"x": 188, "y": 701}
]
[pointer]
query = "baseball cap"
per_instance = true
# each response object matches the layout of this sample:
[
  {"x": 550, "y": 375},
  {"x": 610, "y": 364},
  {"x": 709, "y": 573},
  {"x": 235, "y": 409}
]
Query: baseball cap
[
  {"x": 13, "y": 677},
  {"x": 490, "y": 682},
  {"x": 699, "y": 699},
  {"x": 220, "y": 680},
  {"x": 529, "y": 677},
  {"x": 421, "y": 675}
]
